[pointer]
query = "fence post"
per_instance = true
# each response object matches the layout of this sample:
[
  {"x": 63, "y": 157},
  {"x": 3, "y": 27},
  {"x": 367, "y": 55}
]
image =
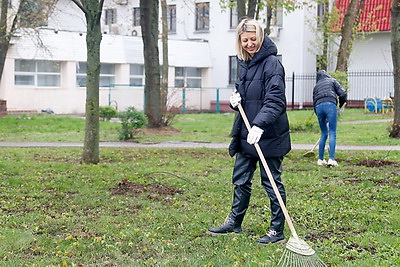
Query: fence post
[
  {"x": 293, "y": 90},
  {"x": 109, "y": 94},
  {"x": 217, "y": 107},
  {"x": 201, "y": 99},
  {"x": 183, "y": 100},
  {"x": 144, "y": 97}
]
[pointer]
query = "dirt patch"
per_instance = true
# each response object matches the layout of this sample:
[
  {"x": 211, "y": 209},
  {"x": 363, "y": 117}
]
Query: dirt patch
[
  {"x": 166, "y": 130},
  {"x": 156, "y": 191},
  {"x": 339, "y": 234},
  {"x": 371, "y": 162},
  {"x": 376, "y": 163}
]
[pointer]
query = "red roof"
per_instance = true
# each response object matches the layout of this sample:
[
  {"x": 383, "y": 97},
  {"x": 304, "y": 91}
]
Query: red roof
[{"x": 375, "y": 16}]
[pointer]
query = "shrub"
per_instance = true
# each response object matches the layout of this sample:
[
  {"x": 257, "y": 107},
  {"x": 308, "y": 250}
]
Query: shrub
[
  {"x": 308, "y": 124},
  {"x": 131, "y": 120},
  {"x": 342, "y": 78},
  {"x": 107, "y": 112},
  {"x": 169, "y": 116}
]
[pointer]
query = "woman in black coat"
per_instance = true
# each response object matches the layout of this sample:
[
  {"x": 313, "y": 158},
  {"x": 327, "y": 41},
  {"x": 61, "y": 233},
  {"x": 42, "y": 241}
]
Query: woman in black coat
[{"x": 261, "y": 91}]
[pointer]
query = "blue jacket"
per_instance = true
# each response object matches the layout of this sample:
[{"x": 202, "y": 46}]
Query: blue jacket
[
  {"x": 328, "y": 89},
  {"x": 261, "y": 84}
]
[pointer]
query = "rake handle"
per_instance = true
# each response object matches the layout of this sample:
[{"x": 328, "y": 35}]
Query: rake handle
[
  {"x": 270, "y": 177},
  {"x": 316, "y": 144}
]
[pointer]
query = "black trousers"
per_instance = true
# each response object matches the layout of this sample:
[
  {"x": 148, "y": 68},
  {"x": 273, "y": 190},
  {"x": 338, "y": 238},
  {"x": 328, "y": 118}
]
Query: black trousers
[{"x": 242, "y": 179}]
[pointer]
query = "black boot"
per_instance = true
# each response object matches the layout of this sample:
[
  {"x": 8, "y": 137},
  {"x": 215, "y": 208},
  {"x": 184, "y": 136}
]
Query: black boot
[
  {"x": 230, "y": 226},
  {"x": 241, "y": 178},
  {"x": 272, "y": 237},
  {"x": 241, "y": 197},
  {"x": 277, "y": 217}
]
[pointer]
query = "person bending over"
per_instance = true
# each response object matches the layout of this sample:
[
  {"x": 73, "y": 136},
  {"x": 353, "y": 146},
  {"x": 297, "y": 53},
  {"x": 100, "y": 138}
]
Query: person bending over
[{"x": 325, "y": 99}]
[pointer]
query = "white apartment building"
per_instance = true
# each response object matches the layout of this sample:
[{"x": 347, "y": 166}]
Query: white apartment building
[{"x": 201, "y": 57}]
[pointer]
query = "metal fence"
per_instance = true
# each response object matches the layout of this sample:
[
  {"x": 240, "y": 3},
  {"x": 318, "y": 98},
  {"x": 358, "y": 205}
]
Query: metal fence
[
  {"x": 361, "y": 84},
  {"x": 299, "y": 89},
  {"x": 370, "y": 83}
]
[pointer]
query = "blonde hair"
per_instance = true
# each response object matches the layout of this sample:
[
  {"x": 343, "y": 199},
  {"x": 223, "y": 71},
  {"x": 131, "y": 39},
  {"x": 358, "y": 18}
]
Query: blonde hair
[{"x": 248, "y": 25}]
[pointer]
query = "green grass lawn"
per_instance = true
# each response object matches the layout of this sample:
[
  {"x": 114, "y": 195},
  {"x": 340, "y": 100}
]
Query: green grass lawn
[
  {"x": 195, "y": 127},
  {"x": 151, "y": 207}
]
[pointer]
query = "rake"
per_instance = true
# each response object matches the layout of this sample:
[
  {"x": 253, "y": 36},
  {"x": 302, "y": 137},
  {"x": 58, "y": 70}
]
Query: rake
[
  {"x": 311, "y": 153},
  {"x": 298, "y": 252}
]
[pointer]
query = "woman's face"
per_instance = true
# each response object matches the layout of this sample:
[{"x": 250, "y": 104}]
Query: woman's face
[{"x": 248, "y": 40}]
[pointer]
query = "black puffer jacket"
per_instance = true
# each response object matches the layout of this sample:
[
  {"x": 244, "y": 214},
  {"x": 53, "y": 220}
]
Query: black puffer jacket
[
  {"x": 261, "y": 84},
  {"x": 328, "y": 89}
]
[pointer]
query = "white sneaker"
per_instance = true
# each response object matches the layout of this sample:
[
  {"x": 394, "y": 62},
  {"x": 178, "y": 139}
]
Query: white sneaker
[
  {"x": 332, "y": 162},
  {"x": 321, "y": 162}
]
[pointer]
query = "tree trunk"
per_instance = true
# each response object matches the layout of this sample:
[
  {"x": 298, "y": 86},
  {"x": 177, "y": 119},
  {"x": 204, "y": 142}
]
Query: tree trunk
[
  {"x": 346, "y": 43},
  {"x": 395, "y": 43},
  {"x": 323, "y": 60},
  {"x": 4, "y": 36},
  {"x": 6, "y": 31},
  {"x": 251, "y": 8},
  {"x": 241, "y": 9},
  {"x": 149, "y": 24},
  {"x": 92, "y": 10},
  {"x": 164, "y": 83},
  {"x": 268, "y": 18}
]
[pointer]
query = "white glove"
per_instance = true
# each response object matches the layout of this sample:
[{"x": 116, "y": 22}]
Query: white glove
[
  {"x": 340, "y": 111},
  {"x": 235, "y": 99},
  {"x": 254, "y": 135}
]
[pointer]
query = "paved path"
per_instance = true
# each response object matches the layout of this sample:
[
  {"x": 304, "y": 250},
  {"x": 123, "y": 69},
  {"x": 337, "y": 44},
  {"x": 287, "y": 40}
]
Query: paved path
[
  {"x": 366, "y": 121},
  {"x": 185, "y": 144},
  {"x": 181, "y": 144}
]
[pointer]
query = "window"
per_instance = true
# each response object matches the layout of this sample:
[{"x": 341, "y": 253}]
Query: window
[
  {"x": 9, "y": 4},
  {"x": 33, "y": 13},
  {"x": 111, "y": 16},
  {"x": 187, "y": 77},
  {"x": 136, "y": 74},
  {"x": 81, "y": 74},
  {"x": 233, "y": 69},
  {"x": 320, "y": 14},
  {"x": 277, "y": 16},
  {"x": 171, "y": 18},
  {"x": 136, "y": 16},
  {"x": 107, "y": 74},
  {"x": 38, "y": 73},
  {"x": 233, "y": 22},
  {"x": 202, "y": 16}
]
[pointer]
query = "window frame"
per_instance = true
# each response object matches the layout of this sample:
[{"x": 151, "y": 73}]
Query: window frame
[
  {"x": 185, "y": 78},
  {"x": 110, "y": 16},
  {"x": 202, "y": 16},
  {"x": 38, "y": 8},
  {"x": 36, "y": 73},
  {"x": 136, "y": 76},
  {"x": 277, "y": 16},
  {"x": 136, "y": 16},
  {"x": 171, "y": 18},
  {"x": 82, "y": 75},
  {"x": 321, "y": 11},
  {"x": 233, "y": 69},
  {"x": 233, "y": 18}
]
